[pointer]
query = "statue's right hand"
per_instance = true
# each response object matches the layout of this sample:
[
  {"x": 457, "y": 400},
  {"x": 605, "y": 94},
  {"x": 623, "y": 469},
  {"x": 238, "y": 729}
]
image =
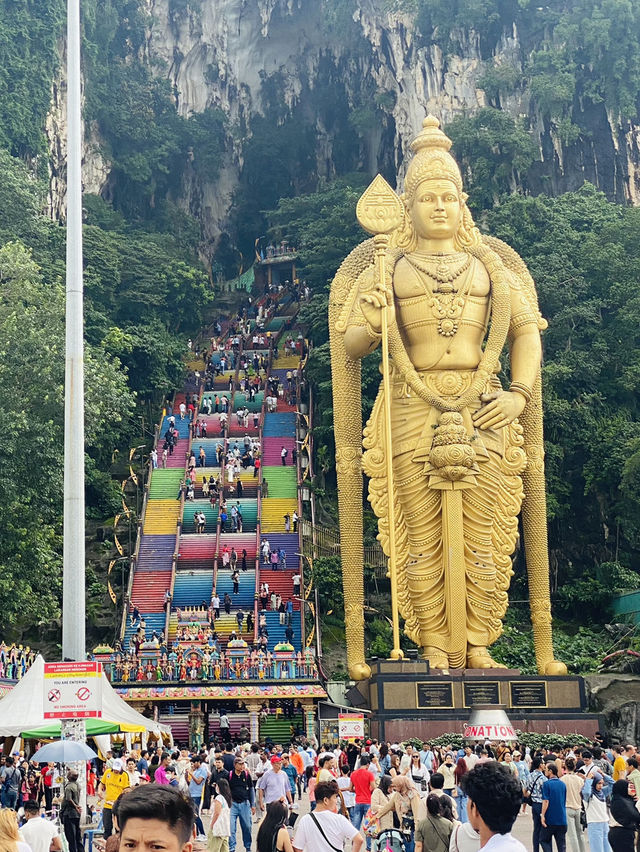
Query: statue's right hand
[{"x": 374, "y": 298}]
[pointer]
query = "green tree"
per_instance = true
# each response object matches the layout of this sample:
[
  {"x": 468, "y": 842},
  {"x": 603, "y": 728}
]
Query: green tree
[{"x": 32, "y": 397}]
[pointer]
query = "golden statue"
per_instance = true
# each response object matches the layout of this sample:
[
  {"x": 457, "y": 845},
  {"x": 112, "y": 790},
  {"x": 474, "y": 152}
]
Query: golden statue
[{"x": 457, "y": 455}]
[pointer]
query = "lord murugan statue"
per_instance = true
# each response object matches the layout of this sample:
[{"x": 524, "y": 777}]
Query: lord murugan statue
[{"x": 451, "y": 456}]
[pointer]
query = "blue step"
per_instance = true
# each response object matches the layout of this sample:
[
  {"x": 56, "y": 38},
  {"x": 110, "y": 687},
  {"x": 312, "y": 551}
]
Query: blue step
[
  {"x": 276, "y": 630},
  {"x": 209, "y": 447},
  {"x": 181, "y": 425},
  {"x": 153, "y": 621},
  {"x": 279, "y": 425},
  {"x": 191, "y": 588},
  {"x": 247, "y": 594}
]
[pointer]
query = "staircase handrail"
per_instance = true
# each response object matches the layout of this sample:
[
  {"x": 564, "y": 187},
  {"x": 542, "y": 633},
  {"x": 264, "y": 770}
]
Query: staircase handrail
[
  {"x": 139, "y": 527},
  {"x": 258, "y": 551},
  {"x": 176, "y": 547}
]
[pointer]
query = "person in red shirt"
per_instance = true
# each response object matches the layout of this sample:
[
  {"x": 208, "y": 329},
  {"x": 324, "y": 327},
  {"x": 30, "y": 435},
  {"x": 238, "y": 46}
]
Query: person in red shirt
[
  {"x": 363, "y": 782},
  {"x": 46, "y": 778}
]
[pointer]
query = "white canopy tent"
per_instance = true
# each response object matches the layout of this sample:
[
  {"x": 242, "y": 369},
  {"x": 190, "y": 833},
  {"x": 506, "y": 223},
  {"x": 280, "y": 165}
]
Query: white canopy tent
[{"x": 23, "y": 708}]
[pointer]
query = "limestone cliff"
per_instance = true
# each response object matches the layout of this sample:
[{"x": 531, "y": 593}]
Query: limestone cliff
[{"x": 359, "y": 77}]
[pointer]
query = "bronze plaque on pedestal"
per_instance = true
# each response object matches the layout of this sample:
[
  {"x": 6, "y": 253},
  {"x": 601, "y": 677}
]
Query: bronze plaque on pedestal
[
  {"x": 532, "y": 693},
  {"x": 481, "y": 692},
  {"x": 434, "y": 695}
]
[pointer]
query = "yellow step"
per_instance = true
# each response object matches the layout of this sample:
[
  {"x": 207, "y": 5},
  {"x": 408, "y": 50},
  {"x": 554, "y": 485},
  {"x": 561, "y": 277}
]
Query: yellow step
[
  {"x": 273, "y": 512},
  {"x": 286, "y": 362},
  {"x": 161, "y": 517}
]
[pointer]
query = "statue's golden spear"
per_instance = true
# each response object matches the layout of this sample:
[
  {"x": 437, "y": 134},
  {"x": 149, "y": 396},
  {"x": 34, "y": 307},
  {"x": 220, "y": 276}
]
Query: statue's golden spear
[{"x": 380, "y": 212}]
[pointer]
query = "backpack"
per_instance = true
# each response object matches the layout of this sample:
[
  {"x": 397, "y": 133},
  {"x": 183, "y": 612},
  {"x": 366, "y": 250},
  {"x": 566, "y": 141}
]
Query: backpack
[{"x": 13, "y": 781}]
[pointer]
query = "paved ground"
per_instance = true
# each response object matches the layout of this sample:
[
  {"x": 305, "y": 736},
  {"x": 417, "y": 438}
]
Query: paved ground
[{"x": 522, "y": 829}]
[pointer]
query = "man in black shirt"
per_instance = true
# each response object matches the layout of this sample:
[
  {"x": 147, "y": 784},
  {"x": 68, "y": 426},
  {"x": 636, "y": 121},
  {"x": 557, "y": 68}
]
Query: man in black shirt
[
  {"x": 228, "y": 758},
  {"x": 217, "y": 771},
  {"x": 243, "y": 804}
]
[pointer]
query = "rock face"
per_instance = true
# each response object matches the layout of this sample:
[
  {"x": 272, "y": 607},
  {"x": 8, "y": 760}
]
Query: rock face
[
  {"x": 616, "y": 697},
  {"x": 279, "y": 58}
]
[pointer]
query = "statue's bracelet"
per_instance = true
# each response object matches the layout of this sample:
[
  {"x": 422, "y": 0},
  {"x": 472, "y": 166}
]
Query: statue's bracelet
[
  {"x": 374, "y": 335},
  {"x": 523, "y": 390}
]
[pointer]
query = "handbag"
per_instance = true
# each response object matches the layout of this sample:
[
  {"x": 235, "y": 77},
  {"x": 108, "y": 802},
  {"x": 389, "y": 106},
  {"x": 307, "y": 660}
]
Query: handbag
[
  {"x": 371, "y": 824},
  {"x": 407, "y": 826},
  {"x": 583, "y": 817}
]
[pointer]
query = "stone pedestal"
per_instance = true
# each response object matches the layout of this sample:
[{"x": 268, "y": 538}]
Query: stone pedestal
[
  {"x": 254, "y": 722},
  {"x": 408, "y": 699},
  {"x": 309, "y": 719}
]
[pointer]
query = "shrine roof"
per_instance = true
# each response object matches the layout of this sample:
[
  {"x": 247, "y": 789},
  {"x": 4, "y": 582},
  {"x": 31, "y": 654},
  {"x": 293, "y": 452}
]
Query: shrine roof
[{"x": 275, "y": 689}]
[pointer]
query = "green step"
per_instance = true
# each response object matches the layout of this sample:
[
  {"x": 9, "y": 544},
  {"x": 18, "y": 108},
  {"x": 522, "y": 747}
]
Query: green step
[
  {"x": 191, "y": 506},
  {"x": 249, "y": 515},
  {"x": 255, "y": 404},
  {"x": 165, "y": 483},
  {"x": 279, "y": 728},
  {"x": 282, "y": 481}
]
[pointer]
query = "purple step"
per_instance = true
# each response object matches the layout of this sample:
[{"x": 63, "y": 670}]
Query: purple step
[
  {"x": 156, "y": 552},
  {"x": 289, "y": 541}
]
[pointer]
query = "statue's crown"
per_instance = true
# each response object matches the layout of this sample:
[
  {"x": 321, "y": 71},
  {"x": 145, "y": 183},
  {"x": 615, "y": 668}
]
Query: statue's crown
[
  {"x": 431, "y": 158},
  {"x": 431, "y": 136}
]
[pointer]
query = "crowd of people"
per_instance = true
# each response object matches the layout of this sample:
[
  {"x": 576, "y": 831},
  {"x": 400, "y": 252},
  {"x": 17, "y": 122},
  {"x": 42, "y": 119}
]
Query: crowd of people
[
  {"x": 385, "y": 796},
  {"x": 218, "y": 790}
]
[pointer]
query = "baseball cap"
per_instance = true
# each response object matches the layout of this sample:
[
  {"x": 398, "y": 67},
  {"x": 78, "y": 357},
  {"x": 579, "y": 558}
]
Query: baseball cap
[
  {"x": 276, "y": 759},
  {"x": 118, "y": 766}
]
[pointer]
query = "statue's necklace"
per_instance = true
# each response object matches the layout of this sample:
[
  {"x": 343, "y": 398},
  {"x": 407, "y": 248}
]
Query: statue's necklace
[
  {"x": 443, "y": 268},
  {"x": 447, "y": 301}
]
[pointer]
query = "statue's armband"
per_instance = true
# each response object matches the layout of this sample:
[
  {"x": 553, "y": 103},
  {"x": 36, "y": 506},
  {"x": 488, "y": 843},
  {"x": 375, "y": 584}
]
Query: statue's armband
[{"x": 524, "y": 315}]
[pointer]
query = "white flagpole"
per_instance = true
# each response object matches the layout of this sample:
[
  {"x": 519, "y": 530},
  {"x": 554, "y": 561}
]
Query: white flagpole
[{"x": 73, "y": 585}]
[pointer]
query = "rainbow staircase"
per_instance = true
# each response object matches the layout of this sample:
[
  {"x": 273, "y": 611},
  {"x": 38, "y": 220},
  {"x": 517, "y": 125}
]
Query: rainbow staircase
[{"x": 169, "y": 527}]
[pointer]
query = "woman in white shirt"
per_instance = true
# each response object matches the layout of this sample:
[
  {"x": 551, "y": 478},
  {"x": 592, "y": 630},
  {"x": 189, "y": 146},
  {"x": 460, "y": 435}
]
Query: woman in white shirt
[
  {"x": 344, "y": 783},
  {"x": 220, "y": 825},
  {"x": 597, "y": 815},
  {"x": 419, "y": 775}
]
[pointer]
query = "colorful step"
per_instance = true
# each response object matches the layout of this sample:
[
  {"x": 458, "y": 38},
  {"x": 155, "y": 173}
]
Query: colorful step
[
  {"x": 164, "y": 484},
  {"x": 192, "y": 588},
  {"x": 161, "y": 517},
  {"x": 273, "y": 511},
  {"x": 279, "y": 425},
  {"x": 204, "y": 506}
]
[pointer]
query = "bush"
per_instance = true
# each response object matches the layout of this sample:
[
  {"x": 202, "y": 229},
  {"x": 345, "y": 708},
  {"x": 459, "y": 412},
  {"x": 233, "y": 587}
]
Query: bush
[{"x": 532, "y": 741}]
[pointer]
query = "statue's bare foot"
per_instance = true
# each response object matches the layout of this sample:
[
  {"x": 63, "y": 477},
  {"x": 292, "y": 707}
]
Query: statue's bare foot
[
  {"x": 437, "y": 658},
  {"x": 555, "y": 667},
  {"x": 478, "y": 658}
]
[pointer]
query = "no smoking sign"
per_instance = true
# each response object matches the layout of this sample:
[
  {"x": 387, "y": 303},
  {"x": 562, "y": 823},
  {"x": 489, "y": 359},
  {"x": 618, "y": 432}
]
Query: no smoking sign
[{"x": 72, "y": 690}]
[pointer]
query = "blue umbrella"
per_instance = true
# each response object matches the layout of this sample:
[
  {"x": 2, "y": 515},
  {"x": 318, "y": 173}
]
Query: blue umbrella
[{"x": 64, "y": 751}]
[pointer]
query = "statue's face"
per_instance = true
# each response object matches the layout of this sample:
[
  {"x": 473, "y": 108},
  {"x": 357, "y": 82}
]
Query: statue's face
[{"x": 436, "y": 209}]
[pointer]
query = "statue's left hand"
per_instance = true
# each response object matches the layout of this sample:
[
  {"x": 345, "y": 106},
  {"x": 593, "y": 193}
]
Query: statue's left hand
[{"x": 499, "y": 410}]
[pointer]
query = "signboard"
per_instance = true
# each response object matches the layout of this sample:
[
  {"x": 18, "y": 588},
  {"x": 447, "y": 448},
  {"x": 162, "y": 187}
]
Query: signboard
[
  {"x": 435, "y": 694},
  {"x": 489, "y": 732},
  {"x": 532, "y": 693},
  {"x": 350, "y": 726},
  {"x": 481, "y": 692},
  {"x": 72, "y": 690}
]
